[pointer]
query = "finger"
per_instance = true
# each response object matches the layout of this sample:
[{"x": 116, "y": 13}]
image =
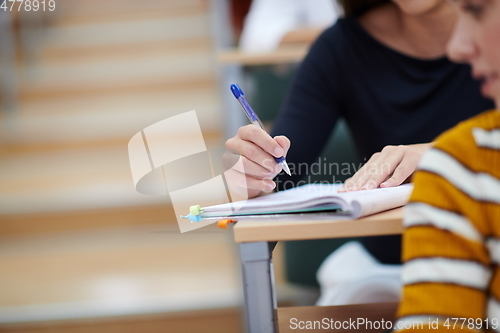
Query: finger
[
  {"x": 353, "y": 183},
  {"x": 408, "y": 165},
  {"x": 393, "y": 166},
  {"x": 342, "y": 188},
  {"x": 253, "y": 169},
  {"x": 385, "y": 167},
  {"x": 348, "y": 183},
  {"x": 253, "y": 153},
  {"x": 402, "y": 172},
  {"x": 241, "y": 184},
  {"x": 377, "y": 169},
  {"x": 371, "y": 169},
  {"x": 260, "y": 138},
  {"x": 284, "y": 142}
]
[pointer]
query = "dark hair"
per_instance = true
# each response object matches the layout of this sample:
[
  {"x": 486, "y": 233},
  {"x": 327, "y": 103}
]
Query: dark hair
[{"x": 355, "y": 8}]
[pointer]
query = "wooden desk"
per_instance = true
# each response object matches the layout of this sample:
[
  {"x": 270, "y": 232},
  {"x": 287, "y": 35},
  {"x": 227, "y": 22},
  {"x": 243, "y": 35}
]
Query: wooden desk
[
  {"x": 283, "y": 55},
  {"x": 292, "y": 49},
  {"x": 257, "y": 239}
]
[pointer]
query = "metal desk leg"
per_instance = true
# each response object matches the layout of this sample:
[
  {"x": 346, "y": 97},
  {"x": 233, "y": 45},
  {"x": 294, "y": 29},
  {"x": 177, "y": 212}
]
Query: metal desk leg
[{"x": 258, "y": 286}]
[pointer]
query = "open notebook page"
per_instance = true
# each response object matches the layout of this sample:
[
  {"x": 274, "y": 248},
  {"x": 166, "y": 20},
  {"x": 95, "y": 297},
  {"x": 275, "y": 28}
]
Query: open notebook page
[{"x": 312, "y": 196}]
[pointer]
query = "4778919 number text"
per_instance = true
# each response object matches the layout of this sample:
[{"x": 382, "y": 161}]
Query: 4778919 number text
[{"x": 28, "y": 5}]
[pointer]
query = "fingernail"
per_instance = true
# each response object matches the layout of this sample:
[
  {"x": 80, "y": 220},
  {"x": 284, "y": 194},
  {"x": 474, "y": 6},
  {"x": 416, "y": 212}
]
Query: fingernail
[
  {"x": 384, "y": 184},
  {"x": 270, "y": 185},
  {"x": 368, "y": 186},
  {"x": 278, "y": 151},
  {"x": 341, "y": 189}
]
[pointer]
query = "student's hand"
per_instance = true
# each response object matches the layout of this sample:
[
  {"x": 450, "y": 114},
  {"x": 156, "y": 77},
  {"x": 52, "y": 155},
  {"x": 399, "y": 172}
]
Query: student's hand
[
  {"x": 250, "y": 160},
  {"x": 391, "y": 167}
]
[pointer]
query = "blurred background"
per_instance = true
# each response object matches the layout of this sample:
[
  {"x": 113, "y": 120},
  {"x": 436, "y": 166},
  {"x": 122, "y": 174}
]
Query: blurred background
[{"x": 80, "y": 249}]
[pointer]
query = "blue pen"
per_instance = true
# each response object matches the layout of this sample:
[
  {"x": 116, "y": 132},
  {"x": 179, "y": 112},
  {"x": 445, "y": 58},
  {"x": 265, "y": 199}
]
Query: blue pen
[{"x": 254, "y": 119}]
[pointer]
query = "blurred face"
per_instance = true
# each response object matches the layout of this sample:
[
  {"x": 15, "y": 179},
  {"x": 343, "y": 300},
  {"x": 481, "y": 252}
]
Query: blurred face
[
  {"x": 418, "y": 7},
  {"x": 476, "y": 40}
]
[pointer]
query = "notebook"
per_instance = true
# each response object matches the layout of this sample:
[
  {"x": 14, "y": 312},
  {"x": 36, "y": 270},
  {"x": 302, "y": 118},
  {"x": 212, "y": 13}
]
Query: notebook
[{"x": 314, "y": 198}]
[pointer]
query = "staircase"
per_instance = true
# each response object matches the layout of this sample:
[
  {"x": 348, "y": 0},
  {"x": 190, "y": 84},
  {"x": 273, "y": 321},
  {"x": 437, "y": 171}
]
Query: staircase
[
  {"x": 80, "y": 249},
  {"x": 103, "y": 72}
]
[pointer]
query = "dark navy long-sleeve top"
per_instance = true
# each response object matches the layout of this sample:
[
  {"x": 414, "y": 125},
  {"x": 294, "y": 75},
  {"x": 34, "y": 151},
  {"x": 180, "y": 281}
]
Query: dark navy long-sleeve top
[{"x": 386, "y": 97}]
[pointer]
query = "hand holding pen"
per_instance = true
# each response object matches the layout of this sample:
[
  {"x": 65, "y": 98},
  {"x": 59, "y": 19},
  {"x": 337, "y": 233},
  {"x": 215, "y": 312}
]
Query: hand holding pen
[{"x": 262, "y": 156}]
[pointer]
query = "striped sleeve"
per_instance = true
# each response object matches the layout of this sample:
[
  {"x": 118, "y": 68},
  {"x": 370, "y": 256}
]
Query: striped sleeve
[{"x": 450, "y": 245}]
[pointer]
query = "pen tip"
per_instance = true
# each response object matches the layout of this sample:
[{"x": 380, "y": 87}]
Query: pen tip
[{"x": 286, "y": 168}]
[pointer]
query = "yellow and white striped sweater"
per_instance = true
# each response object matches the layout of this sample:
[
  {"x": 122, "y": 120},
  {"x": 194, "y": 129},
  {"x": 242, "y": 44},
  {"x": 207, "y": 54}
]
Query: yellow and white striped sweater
[{"x": 451, "y": 242}]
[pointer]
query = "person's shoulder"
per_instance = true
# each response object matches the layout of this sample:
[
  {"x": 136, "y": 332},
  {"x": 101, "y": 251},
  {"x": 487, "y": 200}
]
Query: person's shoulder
[
  {"x": 458, "y": 154},
  {"x": 470, "y": 141},
  {"x": 337, "y": 39},
  {"x": 336, "y": 31},
  {"x": 333, "y": 42},
  {"x": 487, "y": 120},
  {"x": 349, "y": 31}
]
